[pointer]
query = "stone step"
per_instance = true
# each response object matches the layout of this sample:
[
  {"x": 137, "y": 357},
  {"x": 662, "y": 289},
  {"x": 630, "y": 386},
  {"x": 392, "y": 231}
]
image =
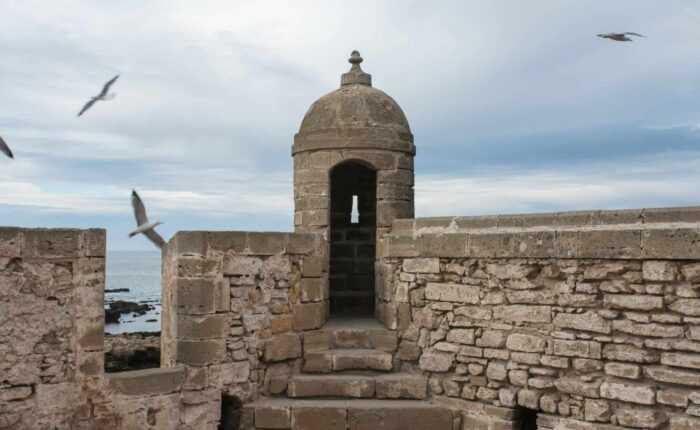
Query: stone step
[
  {"x": 360, "y": 414},
  {"x": 351, "y": 338},
  {"x": 390, "y": 386},
  {"x": 333, "y": 360}
]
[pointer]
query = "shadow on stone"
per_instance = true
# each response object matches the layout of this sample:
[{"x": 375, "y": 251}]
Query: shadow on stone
[{"x": 525, "y": 419}]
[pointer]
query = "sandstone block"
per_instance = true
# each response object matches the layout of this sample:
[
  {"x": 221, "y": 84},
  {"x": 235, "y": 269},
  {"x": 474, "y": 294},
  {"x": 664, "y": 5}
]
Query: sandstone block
[
  {"x": 648, "y": 330},
  {"x": 679, "y": 359},
  {"x": 266, "y": 243},
  {"x": 202, "y": 326},
  {"x": 691, "y": 272},
  {"x": 272, "y": 417},
  {"x": 492, "y": 339},
  {"x": 673, "y": 397},
  {"x": 191, "y": 242},
  {"x": 485, "y": 245},
  {"x": 241, "y": 265},
  {"x": 680, "y": 422},
  {"x": 436, "y": 361},
  {"x": 200, "y": 352},
  {"x": 623, "y": 370},
  {"x": 312, "y": 267},
  {"x": 282, "y": 347},
  {"x": 195, "y": 296},
  {"x": 401, "y": 386},
  {"x": 641, "y": 418},
  {"x": 496, "y": 371},
  {"x": 227, "y": 241},
  {"x": 577, "y": 348},
  {"x": 313, "y": 289},
  {"x": 421, "y": 265},
  {"x": 523, "y": 313},
  {"x": 308, "y": 316},
  {"x": 529, "y": 398},
  {"x": 460, "y": 335},
  {"x": 526, "y": 343},
  {"x": 671, "y": 243},
  {"x": 573, "y": 385},
  {"x": 610, "y": 244},
  {"x": 659, "y": 270},
  {"x": 10, "y": 242},
  {"x": 622, "y": 352},
  {"x": 352, "y": 386},
  {"x": 399, "y": 417},
  {"x": 400, "y": 246},
  {"x": 597, "y": 410},
  {"x": 51, "y": 243},
  {"x": 443, "y": 245},
  {"x": 147, "y": 381},
  {"x": 452, "y": 293},
  {"x": 318, "y": 418},
  {"x": 633, "y": 302},
  {"x": 672, "y": 376},
  {"x": 588, "y": 321},
  {"x": 690, "y": 307},
  {"x": 534, "y": 297},
  {"x": 628, "y": 392}
]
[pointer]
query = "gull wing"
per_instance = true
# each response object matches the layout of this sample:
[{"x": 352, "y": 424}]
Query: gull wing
[
  {"x": 88, "y": 105},
  {"x": 5, "y": 149},
  {"x": 139, "y": 210},
  {"x": 634, "y": 34},
  {"x": 109, "y": 83},
  {"x": 155, "y": 238}
]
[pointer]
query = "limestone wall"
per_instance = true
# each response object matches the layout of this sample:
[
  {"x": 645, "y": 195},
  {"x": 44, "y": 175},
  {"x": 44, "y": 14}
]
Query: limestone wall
[
  {"x": 52, "y": 339},
  {"x": 590, "y": 318},
  {"x": 233, "y": 302}
]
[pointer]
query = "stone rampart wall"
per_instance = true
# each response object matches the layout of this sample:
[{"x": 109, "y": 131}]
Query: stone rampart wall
[
  {"x": 52, "y": 346},
  {"x": 234, "y": 301},
  {"x": 590, "y": 318}
]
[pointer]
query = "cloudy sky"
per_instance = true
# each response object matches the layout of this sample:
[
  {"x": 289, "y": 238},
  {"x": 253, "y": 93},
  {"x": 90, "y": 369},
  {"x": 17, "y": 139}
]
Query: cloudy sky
[{"x": 515, "y": 106}]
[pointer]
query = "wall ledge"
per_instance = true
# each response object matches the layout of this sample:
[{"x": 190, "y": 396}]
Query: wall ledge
[{"x": 147, "y": 382}]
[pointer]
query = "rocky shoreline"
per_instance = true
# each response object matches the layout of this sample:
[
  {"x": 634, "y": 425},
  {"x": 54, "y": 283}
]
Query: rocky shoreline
[{"x": 132, "y": 351}]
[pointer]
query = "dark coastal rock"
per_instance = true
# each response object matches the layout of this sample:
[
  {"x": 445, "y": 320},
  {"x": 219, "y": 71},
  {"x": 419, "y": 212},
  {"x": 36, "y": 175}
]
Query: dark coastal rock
[
  {"x": 119, "y": 307},
  {"x": 117, "y": 290},
  {"x": 132, "y": 351}
]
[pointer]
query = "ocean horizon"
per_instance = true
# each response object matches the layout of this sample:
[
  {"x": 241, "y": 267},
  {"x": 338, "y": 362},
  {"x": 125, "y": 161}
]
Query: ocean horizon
[{"x": 140, "y": 272}]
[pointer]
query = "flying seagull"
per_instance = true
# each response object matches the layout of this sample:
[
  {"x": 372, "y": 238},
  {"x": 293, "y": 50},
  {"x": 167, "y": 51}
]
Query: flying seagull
[
  {"x": 103, "y": 95},
  {"x": 620, "y": 37},
  {"x": 5, "y": 149},
  {"x": 143, "y": 225}
]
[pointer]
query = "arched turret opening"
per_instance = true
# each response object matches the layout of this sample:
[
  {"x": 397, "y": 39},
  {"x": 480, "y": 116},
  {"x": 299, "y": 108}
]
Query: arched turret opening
[{"x": 353, "y": 239}]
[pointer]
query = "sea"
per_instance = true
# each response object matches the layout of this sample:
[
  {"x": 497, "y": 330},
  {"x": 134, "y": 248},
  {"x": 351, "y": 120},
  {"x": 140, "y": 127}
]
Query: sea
[{"x": 140, "y": 272}]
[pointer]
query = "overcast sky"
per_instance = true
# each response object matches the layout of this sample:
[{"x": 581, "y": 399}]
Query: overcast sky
[{"x": 515, "y": 106}]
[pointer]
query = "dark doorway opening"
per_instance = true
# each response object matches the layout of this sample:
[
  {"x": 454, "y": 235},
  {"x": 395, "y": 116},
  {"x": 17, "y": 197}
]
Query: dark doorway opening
[
  {"x": 231, "y": 410},
  {"x": 353, "y": 239},
  {"x": 525, "y": 419}
]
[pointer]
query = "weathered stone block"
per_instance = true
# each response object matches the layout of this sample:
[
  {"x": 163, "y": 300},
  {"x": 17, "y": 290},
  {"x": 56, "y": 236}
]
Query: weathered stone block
[
  {"x": 538, "y": 244},
  {"x": 574, "y": 385},
  {"x": 659, "y": 270},
  {"x": 10, "y": 242},
  {"x": 421, "y": 265},
  {"x": 401, "y": 386},
  {"x": 589, "y": 321},
  {"x": 443, "y": 245},
  {"x": 266, "y": 243},
  {"x": 690, "y": 307},
  {"x": 597, "y": 410},
  {"x": 352, "y": 386},
  {"x": 195, "y": 296},
  {"x": 680, "y": 422},
  {"x": 308, "y": 316},
  {"x": 200, "y": 352},
  {"x": 313, "y": 289},
  {"x": 679, "y": 359},
  {"x": 190, "y": 242},
  {"x": 648, "y": 330},
  {"x": 312, "y": 267},
  {"x": 51, "y": 243},
  {"x": 633, "y": 302},
  {"x": 309, "y": 243},
  {"x": 318, "y": 418},
  {"x": 461, "y": 335},
  {"x": 641, "y": 418},
  {"x": 610, "y": 244},
  {"x": 680, "y": 243},
  {"x": 228, "y": 241},
  {"x": 491, "y": 245},
  {"x": 202, "y": 326},
  {"x": 401, "y": 246},
  {"x": 672, "y": 376},
  {"x": 523, "y": 313},
  {"x": 282, "y": 347},
  {"x": 399, "y": 418},
  {"x": 433, "y": 361},
  {"x": 628, "y": 392},
  {"x": 147, "y": 381},
  {"x": 273, "y": 417},
  {"x": 623, "y": 370},
  {"x": 577, "y": 348},
  {"x": 452, "y": 293},
  {"x": 526, "y": 343},
  {"x": 622, "y": 352}
]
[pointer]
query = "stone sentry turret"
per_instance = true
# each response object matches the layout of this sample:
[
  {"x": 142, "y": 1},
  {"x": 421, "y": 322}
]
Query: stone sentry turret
[{"x": 354, "y": 145}]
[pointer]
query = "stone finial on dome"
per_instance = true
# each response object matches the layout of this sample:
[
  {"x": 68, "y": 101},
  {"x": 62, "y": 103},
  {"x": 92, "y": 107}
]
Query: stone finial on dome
[{"x": 355, "y": 75}]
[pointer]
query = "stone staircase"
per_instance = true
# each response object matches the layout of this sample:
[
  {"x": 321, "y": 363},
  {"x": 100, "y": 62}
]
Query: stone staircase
[{"x": 349, "y": 381}]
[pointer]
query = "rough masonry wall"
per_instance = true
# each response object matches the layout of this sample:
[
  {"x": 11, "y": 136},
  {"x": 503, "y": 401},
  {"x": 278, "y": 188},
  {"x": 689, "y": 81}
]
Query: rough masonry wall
[
  {"x": 596, "y": 326},
  {"x": 233, "y": 302},
  {"x": 52, "y": 339}
]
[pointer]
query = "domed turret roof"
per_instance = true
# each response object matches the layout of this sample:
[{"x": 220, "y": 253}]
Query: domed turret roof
[{"x": 356, "y": 104}]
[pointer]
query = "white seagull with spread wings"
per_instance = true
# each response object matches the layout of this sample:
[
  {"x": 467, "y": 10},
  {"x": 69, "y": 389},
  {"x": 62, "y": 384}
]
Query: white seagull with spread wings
[
  {"x": 5, "y": 149},
  {"x": 143, "y": 225},
  {"x": 620, "y": 37},
  {"x": 103, "y": 95}
]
